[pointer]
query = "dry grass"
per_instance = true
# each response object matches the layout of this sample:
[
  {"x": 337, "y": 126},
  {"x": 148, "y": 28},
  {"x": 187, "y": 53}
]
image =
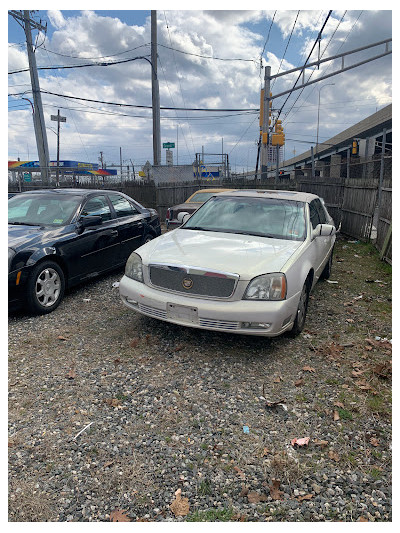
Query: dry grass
[{"x": 26, "y": 503}]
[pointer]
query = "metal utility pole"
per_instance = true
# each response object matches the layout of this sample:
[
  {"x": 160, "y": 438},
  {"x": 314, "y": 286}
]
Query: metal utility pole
[
  {"x": 133, "y": 169},
  {"x": 265, "y": 119},
  {"x": 267, "y": 97},
  {"x": 155, "y": 93},
  {"x": 277, "y": 163},
  {"x": 120, "y": 161},
  {"x": 38, "y": 117},
  {"x": 59, "y": 119}
]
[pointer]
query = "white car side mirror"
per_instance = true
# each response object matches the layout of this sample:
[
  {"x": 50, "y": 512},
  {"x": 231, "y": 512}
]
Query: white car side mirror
[
  {"x": 323, "y": 230},
  {"x": 183, "y": 217}
]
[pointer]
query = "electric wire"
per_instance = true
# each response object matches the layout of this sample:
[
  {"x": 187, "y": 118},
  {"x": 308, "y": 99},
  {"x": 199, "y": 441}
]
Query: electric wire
[
  {"x": 180, "y": 88},
  {"x": 73, "y": 120},
  {"x": 326, "y": 70},
  {"x": 100, "y": 64},
  {"x": 120, "y": 104},
  {"x": 98, "y": 57},
  {"x": 206, "y": 57},
  {"x": 287, "y": 45},
  {"x": 309, "y": 55}
]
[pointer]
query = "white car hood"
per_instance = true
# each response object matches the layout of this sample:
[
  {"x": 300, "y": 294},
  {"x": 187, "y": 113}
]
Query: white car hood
[{"x": 246, "y": 255}]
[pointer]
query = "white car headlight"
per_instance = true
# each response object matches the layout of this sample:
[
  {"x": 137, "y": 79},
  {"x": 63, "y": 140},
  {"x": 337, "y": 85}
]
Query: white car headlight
[
  {"x": 267, "y": 287},
  {"x": 133, "y": 268}
]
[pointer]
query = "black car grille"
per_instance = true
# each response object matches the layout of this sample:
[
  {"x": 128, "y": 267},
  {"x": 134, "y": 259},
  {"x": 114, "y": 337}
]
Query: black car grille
[{"x": 192, "y": 281}]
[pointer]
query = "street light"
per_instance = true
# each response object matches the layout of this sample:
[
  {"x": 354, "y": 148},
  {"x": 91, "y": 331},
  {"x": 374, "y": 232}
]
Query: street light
[{"x": 319, "y": 103}]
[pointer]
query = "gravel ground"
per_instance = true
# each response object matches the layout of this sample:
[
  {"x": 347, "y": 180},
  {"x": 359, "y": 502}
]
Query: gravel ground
[{"x": 118, "y": 417}]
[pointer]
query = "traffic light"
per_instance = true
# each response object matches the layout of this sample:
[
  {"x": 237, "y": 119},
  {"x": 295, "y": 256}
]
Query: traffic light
[
  {"x": 354, "y": 147},
  {"x": 278, "y": 138},
  {"x": 278, "y": 126}
]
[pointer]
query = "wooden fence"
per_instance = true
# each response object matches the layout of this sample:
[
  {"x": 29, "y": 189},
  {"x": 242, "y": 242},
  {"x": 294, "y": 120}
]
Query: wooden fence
[
  {"x": 362, "y": 205},
  {"x": 352, "y": 202}
]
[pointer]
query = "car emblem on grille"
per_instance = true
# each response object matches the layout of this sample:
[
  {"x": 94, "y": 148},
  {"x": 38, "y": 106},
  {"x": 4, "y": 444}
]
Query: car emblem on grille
[{"x": 187, "y": 283}]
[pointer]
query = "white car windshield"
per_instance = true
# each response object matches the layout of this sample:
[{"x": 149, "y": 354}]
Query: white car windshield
[{"x": 265, "y": 217}]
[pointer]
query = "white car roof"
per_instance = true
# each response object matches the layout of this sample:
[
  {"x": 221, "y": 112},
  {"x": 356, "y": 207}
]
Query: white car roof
[{"x": 282, "y": 195}]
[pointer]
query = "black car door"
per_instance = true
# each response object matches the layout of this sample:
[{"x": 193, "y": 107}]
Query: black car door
[
  {"x": 96, "y": 248},
  {"x": 130, "y": 223}
]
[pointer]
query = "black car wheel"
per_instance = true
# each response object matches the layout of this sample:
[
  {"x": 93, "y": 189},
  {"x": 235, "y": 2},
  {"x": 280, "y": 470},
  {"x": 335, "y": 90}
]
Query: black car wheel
[
  {"x": 326, "y": 273},
  {"x": 147, "y": 238},
  {"x": 301, "y": 310},
  {"x": 46, "y": 286}
]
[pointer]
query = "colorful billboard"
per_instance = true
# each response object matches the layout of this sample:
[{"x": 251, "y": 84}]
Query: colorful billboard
[{"x": 76, "y": 167}]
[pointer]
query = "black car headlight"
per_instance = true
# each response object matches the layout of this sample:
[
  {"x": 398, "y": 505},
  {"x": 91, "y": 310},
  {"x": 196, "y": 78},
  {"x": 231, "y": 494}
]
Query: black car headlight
[{"x": 133, "y": 268}]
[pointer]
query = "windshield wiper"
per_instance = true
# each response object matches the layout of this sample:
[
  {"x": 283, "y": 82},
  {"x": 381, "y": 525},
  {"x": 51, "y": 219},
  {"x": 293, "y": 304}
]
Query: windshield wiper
[
  {"x": 24, "y": 224},
  {"x": 200, "y": 228},
  {"x": 255, "y": 233}
]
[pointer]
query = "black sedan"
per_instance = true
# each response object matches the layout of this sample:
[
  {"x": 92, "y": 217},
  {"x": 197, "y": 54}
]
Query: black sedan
[{"x": 58, "y": 238}]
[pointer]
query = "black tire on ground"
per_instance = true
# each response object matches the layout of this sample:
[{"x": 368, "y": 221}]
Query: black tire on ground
[
  {"x": 45, "y": 287},
  {"x": 301, "y": 310},
  {"x": 326, "y": 273}
]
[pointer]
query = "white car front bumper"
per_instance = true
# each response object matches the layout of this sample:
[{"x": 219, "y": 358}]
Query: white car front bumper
[{"x": 242, "y": 316}]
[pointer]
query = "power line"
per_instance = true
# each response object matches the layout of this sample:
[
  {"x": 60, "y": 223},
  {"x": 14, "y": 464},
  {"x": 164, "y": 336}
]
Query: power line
[
  {"x": 98, "y": 57},
  {"x": 318, "y": 39},
  {"x": 180, "y": 87},
  {"x": 101, "y": 64},
  {"x": 207, "y": 57},
  {"x": 73, "y": 120},
  {"x": 269, "y": 31},
  {"x": 142, "y": 106},
  {"x": 287, "y": 44},
  {"x": 326, "y": 70}
]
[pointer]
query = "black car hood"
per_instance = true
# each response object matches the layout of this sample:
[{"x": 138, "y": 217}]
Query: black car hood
[
  {"x": 186, "y": 206},
  {"x": 19, "y": 236}
]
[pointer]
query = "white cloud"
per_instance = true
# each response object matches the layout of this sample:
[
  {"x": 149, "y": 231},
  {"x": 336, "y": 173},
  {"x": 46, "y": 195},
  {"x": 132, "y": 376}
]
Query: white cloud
[
  {"x": 56, "y": 18},
  {"x": 187, "y": 80}
]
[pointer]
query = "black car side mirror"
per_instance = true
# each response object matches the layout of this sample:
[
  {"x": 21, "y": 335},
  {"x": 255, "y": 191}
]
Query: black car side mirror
[{"x": 88, "y": 221}]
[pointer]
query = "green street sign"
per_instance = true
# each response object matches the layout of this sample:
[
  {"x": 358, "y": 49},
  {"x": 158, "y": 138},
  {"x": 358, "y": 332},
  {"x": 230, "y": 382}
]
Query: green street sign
[
  {"x": 27, "y": 176},
  {"x": 168, "y": 145}
]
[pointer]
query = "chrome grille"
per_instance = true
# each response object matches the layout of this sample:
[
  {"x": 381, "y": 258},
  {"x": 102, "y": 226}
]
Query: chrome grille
[
  {"x": 152, "y": 311},
  {"x": 193, "y": 281},
  {"x": 218, "y": 324}
]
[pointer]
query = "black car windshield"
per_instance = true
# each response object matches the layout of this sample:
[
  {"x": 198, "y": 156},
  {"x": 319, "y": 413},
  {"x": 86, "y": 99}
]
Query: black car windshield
[
  {"x": 42, "y": 209},
  {"x": 265, "y": 217}
]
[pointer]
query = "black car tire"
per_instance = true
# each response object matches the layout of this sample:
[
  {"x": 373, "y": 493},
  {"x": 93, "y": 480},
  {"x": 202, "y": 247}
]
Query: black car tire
[
  {"x": 147, "y": 238},
  {"x": 326, "y": 273},
  {"x": 45, "y": 288},
  {"x": 301, "y": 310}
]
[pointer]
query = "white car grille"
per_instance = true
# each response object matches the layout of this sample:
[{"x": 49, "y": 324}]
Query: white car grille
[{"x": 193, "y": 281}]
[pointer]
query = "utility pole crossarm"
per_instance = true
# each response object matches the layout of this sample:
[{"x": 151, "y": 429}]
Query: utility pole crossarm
[
  {"x": 36, "y": 25},
  {"x": 343, "y": 69},
  {"x": 343, "y": 54}
]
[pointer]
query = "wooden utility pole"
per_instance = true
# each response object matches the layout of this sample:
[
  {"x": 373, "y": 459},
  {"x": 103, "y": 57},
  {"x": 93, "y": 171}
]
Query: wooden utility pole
[{"x": 38, "y": 117}]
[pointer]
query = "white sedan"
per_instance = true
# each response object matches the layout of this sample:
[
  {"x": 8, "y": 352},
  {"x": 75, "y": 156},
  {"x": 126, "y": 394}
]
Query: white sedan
[{"x": 244, "y": 262}]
